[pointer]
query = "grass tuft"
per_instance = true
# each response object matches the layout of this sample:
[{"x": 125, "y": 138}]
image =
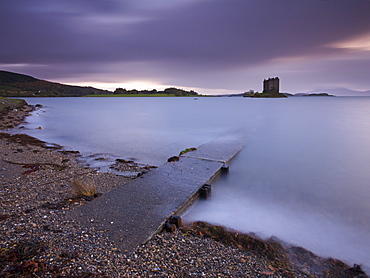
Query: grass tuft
[
  {"x": 187, "y": 150},
  {"x": 83, "y": 188}
]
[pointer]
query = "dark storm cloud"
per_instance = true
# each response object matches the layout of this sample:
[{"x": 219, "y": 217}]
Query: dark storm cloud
[
  {"x": 50, "y": 32},
  {"x": 240, "y": 32},
  {"x": 195, "y": 36}
]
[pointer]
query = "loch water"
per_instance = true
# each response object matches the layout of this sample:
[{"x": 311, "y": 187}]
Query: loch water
[{"x": 303, "y": 176}]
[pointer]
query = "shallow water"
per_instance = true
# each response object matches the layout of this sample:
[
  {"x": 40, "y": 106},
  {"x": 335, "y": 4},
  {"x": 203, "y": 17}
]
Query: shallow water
[
  {"x": 303, "y": 175},
  {"x": 148, "y": 130}
]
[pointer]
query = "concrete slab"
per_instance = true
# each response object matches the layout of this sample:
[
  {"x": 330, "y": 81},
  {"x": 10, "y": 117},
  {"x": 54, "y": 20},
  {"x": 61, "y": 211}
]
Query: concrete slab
[
  {"x": 222, "y": 149},
  {"x": 131, "y": 214}
]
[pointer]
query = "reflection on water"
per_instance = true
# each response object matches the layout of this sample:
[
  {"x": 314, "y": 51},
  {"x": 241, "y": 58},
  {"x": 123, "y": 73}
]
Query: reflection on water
[{"x": 303, "y": 175}]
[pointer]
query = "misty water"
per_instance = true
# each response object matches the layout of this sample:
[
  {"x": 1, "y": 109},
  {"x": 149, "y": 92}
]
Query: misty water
[{"x": 303, "y": 176}]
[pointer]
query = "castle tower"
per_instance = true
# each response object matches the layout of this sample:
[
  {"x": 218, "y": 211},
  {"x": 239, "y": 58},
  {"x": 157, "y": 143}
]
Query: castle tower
[{"x": 271, "y": 85}]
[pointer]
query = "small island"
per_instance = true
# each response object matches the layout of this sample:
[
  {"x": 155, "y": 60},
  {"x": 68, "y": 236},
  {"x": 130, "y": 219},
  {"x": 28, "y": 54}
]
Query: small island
[
  {"x": 270, "y": 90},
  {"x": 318, "y": 95},
  {"x": 263, "y": 95}
]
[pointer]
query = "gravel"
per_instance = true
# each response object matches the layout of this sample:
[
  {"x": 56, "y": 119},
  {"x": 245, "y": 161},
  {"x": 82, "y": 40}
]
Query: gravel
[{"x": 33, "y": 208}]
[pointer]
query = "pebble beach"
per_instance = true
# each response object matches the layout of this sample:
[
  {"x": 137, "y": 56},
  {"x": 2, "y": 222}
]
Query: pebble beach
[{"x": 38, "y": 240}]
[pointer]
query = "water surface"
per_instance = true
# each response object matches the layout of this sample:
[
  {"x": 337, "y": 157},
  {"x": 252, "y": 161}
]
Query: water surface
[{"x": 303, "y": 175}]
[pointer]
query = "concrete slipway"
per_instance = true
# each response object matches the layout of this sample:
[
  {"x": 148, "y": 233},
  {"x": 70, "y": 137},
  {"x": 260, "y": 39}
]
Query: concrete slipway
[{"x": 131, "y": 214}]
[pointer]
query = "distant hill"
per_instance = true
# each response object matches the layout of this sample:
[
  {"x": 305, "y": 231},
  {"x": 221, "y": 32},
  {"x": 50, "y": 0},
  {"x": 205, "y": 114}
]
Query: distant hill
[
  {"x": 166, "y": 92},
  {"x": 340, "y": 92},
  {"x": 20, "y": 85}
]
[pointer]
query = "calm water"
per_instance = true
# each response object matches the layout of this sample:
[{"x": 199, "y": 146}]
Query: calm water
[{"x": 304, "y": 175}]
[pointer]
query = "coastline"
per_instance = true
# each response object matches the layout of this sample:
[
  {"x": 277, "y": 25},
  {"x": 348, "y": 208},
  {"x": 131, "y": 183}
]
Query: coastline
[{"x": 37, "y": 239}]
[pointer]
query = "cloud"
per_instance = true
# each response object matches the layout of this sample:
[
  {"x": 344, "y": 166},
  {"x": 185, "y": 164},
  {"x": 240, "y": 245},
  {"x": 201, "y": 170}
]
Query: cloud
[
  {"x": 210, "y": 44},
  {"x": 359, "y": 43}
]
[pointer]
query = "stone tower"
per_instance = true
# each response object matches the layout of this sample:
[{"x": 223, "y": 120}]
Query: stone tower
[{"x": 271, "y": 85}]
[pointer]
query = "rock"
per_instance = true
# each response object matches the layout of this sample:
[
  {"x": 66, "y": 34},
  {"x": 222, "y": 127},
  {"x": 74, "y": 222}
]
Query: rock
[
  {"x": 176, "y": 220},
  {"x": 357, "y": 272},
  {"x": 169, "y": 227},
  {"x": 173, "y": 159}
]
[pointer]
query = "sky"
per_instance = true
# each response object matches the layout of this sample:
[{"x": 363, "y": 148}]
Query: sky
[{"x": 210, "y": 46}]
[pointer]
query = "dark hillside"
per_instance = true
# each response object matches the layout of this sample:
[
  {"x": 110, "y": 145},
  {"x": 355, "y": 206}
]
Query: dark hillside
[
  {"x": 20, "y": 85},
  {"x": 10, "y": 77}
]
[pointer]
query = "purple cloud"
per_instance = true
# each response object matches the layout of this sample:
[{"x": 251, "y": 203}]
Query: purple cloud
[{"x": 187, "y": 43}]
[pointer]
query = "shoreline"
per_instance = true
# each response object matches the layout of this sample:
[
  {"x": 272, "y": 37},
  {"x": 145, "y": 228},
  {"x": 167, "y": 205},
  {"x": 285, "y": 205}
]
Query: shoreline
[
  {"x": 37, "y": 239},
  {"x": 13, "y": 112}
]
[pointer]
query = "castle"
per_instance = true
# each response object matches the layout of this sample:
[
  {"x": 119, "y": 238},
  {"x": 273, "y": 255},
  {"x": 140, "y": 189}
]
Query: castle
[{"x": 271, "y": 85}]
